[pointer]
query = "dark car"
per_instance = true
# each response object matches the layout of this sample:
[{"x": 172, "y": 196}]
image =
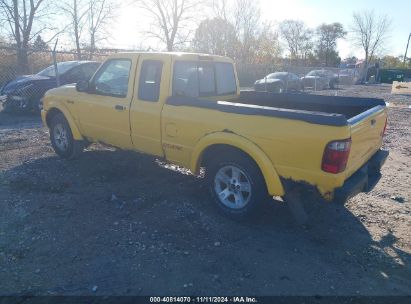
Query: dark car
[
  {"x": 278, "y": 82},
  {"x": 320, "y": 80},
  {"x": 24, "y": 92}
]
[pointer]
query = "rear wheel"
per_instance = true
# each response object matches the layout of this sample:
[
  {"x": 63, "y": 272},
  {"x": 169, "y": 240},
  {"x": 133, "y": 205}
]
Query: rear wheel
[
  {"x": 62, "y": 139},
  {"x": 236, "y": 185}
]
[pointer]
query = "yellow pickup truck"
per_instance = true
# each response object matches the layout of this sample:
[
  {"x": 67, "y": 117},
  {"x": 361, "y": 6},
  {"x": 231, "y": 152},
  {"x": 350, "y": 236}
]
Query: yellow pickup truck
[{"x": 188, "y": 109}]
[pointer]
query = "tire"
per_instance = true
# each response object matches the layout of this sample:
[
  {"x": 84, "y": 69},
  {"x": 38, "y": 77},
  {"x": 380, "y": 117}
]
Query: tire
[
  {"x": 62, "y": 139},
  {"x": 227, "y": 176}
]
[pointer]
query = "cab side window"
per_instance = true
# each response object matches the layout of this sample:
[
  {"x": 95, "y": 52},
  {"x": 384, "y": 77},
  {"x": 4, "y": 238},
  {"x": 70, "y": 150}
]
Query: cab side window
[
  {"x": 112, "y": 78},
  {"x": 185, "y": 80},
  {"x": 206, "y": 80},
  {"x": 150, "y": 79},
  {"x": 203, "y": 79},
  {"x": 226, "y": 82}
]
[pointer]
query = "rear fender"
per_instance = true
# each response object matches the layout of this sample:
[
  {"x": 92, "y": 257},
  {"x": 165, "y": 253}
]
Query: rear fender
[{"x": 271, "y": 177}]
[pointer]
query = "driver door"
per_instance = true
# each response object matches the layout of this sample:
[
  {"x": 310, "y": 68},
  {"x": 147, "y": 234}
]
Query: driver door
[{"x": 104, "y": 110}]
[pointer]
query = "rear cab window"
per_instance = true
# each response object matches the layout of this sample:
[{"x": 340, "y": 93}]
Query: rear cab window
[
  {"x": 150, "y": 79},
  {"x": 203, "y": 79}
]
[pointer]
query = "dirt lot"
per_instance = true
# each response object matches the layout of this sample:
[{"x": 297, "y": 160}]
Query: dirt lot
[{"x": 118, "y": 223}]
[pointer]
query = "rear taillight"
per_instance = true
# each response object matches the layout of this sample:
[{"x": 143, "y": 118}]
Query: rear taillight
[
  {"x": 335, "y": 156},
  {"x": 385, "y": 126}
]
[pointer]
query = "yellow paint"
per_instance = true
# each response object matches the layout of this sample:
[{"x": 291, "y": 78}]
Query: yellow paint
[
  {"x": 286, "y": 148},
  {"x": 227, "y": 138},
  {"x": 59, "y": 103}
]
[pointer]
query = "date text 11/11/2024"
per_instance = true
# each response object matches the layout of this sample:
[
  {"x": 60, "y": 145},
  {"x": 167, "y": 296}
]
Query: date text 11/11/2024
[{"x": 236, "y": 299}]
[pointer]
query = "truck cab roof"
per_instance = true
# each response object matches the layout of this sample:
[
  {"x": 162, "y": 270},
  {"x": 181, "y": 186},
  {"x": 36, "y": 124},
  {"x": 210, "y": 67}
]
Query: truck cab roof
[{"x": 176, "y": 56}]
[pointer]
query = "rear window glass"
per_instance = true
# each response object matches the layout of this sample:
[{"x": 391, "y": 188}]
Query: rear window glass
[
  {"x": 226, "y": 83},
  {"x": 206, "y": 79},
  {"x": 202, "y": 79}
]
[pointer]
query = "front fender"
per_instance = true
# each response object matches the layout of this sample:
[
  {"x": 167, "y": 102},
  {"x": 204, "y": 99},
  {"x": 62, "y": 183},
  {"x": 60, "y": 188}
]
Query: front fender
[
  {"x": 272, "y": 179},
  {"x": 59, "y": 106}
]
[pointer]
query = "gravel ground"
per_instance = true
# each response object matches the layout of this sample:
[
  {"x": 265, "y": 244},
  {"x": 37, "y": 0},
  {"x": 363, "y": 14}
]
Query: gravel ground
[{"x": 118, "y": 223}]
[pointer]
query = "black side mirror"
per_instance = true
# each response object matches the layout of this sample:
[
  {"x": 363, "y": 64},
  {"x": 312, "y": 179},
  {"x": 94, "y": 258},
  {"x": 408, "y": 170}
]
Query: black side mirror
[{"x": 83, "y": 86}]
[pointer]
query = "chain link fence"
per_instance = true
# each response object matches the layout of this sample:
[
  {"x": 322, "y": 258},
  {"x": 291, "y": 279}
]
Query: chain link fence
[
  {"x": 249, "y": 73},
  {"x": 21, "y": 84},
  {"x": 38, "y": 60},
  {"x": 20, "y": 92}
]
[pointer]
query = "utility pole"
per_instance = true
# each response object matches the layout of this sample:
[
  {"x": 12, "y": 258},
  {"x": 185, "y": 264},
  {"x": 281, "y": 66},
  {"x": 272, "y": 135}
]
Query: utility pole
[
  {"x": 56, "y": 70},
  {"x": 406, "y": 50}
]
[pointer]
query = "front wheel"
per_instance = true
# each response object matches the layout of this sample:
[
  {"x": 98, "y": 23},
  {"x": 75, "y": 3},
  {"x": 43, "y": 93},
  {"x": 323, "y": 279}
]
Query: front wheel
[
  {"x": 62, "y": 139},
  {"x": 236, "y": 185}
]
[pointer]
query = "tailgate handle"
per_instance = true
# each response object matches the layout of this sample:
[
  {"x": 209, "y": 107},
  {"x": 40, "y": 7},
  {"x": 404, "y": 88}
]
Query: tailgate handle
[{"x": 373, "y": 121}]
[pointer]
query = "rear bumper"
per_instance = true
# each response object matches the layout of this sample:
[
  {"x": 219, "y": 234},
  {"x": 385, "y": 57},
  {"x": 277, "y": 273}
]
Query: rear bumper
[{"x": 364, "y": 179}]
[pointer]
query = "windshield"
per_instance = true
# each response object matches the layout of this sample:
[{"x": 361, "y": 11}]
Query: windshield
[
  {"x": 320, "y": 73},
  {"x": 277, "y": 76},
  {"x": 62, "y": 67}
]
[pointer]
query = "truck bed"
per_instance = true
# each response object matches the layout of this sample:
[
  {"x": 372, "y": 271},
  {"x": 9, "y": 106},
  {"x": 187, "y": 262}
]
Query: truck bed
[
  {"x": 347, "y": 106},
  {"x": 324, "y": 110}
]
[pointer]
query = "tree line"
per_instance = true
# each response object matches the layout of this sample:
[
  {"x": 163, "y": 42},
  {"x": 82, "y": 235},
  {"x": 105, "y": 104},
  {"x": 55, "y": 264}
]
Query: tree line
[{"x": 231, "y": 28}]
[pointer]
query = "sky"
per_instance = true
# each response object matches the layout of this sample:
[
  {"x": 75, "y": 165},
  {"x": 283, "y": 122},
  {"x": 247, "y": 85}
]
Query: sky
[{"x": 313, "y": 12}]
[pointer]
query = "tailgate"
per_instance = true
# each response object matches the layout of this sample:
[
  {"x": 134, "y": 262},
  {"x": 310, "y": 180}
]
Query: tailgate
[{"x": 366, "y": 135}]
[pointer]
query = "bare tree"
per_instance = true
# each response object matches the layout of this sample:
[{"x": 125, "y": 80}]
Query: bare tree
[
  {"x": 169, "y": 18},
  {"x": 267, "y": 47},
  {"x": 76, "y": 11},
  {"x": 298, "y": 38},
  {"x": 216, "y": 36},
  {"x": 247, "y": 19},
  {"x": 22, "y": 17},
  {"x": 327, "y": 36},
  {"x": 255, "y": 42},
  {"x": 370, "y": 32},
  {"x": 220, "y": 9},
  {"x": 100, "y": 15},
  {"x": 89, "y": 22}
]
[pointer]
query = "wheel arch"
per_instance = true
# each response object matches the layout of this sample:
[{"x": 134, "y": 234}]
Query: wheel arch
[
  {"x": 54, "y": 110},
  {"x": 217, "y": 141}
]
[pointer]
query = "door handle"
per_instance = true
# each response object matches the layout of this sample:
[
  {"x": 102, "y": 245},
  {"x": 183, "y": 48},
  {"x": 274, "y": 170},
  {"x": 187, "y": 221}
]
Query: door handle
[{"x": 119, "y": 107}]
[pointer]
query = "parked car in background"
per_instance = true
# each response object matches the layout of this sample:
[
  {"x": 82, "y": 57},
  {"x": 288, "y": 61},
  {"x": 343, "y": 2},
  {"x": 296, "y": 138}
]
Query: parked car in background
[
  {"x": 24, "y": 92},
  {"x": 320, "y": 80},
  {"x": 278, "y": 82}
]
